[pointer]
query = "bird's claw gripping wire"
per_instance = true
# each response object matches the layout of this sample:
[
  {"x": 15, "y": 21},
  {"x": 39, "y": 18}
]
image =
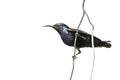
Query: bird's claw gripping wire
[{"x": 75, "y": 56}]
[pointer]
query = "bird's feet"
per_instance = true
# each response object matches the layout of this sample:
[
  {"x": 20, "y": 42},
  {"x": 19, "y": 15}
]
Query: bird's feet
[
  {"x": 78, "y": 51},
  {"x": 75, "y": 56}
]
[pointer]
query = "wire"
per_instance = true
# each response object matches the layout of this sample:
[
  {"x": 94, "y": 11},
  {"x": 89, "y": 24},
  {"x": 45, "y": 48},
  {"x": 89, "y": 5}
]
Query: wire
[
  {"x": 78, "y": 27},
  {"x": 92, "y": 41},
  {"x": 93, "y": 56},
  {"x": 74, "y": 56},
  {"x": 72, "y": 69}
]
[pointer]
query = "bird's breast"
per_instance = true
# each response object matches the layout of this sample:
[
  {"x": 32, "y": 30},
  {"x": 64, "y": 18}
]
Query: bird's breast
[{"x": 67, "y": 38}]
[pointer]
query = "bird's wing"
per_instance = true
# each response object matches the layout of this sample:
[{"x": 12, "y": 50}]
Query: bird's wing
[
  {"x": 79, "y": 31},
  {"x": 81, "y": 34}
]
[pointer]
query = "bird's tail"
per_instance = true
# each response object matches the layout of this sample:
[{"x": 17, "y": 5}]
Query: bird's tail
[{"x": 106, "y": 44}]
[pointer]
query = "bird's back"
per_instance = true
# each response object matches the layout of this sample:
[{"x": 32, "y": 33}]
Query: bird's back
[{"x": 83, "y": 39}]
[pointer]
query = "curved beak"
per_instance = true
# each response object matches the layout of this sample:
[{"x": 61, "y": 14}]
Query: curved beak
[
  {"x": 53, "y": 26},
  {"x": 48, "y": 26}
]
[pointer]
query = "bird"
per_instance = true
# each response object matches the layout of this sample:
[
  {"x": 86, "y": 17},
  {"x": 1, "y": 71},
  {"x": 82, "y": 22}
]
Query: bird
[{"x": 67, "y": 35}]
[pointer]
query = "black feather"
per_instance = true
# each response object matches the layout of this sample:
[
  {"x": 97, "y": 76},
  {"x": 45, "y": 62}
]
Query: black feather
[{"x": 83, "y": 39}]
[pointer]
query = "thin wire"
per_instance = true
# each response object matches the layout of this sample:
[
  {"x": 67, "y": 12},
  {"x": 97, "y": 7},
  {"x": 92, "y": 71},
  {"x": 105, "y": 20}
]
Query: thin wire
[
  {"x": 78, "y": 27},
  {"x": 74, "y": 56},
  {"x": 92, "y": 41},
  {"x": 93, "y": 56},
  {"x": 72, "y": 69}
]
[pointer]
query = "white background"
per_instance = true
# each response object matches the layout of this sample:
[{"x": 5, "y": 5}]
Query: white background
[{"x": 29, "y": 51}]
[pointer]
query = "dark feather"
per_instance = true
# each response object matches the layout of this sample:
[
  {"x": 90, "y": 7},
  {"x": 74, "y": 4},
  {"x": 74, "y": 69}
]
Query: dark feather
[{"x": 83, "y": 39}]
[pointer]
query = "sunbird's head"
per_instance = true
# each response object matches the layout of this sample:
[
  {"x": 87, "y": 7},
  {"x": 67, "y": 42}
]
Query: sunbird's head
[{"x": 58, "y": 26}]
